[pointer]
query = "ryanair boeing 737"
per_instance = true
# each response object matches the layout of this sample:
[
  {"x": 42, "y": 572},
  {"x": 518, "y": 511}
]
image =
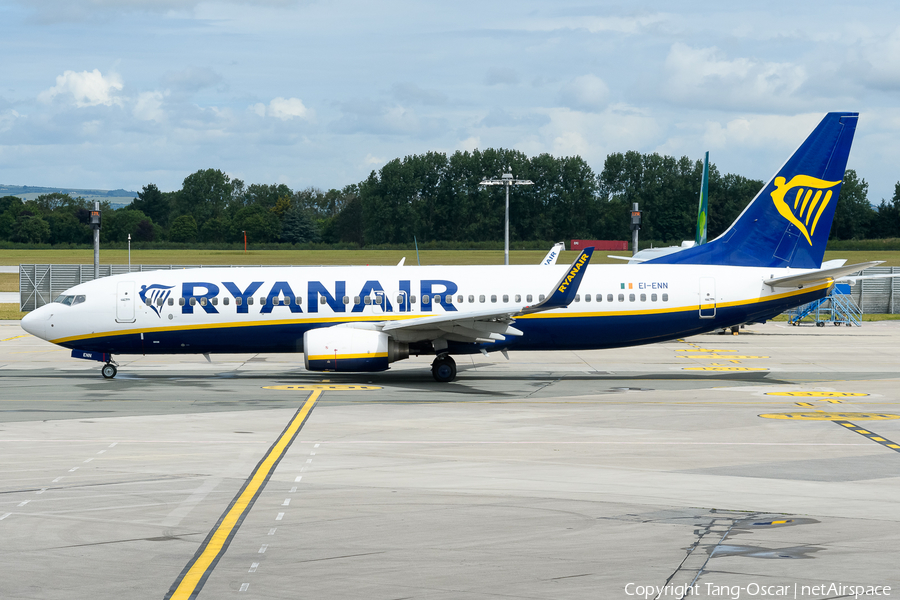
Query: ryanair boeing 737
[{"x": 364, "y": 318}]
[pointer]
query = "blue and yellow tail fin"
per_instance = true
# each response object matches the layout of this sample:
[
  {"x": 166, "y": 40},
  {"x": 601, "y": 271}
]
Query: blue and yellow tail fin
[{"x": 788, "y": 222}]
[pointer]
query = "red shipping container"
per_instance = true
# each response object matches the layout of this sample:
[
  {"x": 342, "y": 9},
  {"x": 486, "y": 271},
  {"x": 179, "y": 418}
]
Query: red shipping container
[{"x": 599, "y": 245}]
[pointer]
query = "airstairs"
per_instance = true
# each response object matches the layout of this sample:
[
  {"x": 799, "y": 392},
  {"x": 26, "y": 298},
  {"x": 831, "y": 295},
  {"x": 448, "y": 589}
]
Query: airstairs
[{"x": 837, "y": 308}]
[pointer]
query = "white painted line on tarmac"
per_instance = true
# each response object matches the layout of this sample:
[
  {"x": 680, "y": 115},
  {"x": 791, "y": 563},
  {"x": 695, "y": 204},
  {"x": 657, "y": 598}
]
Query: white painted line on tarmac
[
  {"x": 57, "y": 479},
  {"x": 279, "y": 517},
  {"x": 312, "y": 453},
  {"x": 88, "y": 460},
  {"x": 293, "y": 489},
  {"x": 286, "y": 502},
  {"x": 272, "y": 531},
  {"x": 245, "y": 587},
  {"x": 253, "y": 568},
  {"x": 24, "y": 502},
  {"x": 101, "y": 452},
  {"x": 298, "y": 477},
  {"x": 41, "y": 491},
  {"x": 4, "y": 516},
  {"x": 73, "y": 469},
  {"x": 113, "y": 445},
  {"x": 262, "y": 549},
  {"x": 316, "y": 446},
  {"x": 308, "y": 460}
]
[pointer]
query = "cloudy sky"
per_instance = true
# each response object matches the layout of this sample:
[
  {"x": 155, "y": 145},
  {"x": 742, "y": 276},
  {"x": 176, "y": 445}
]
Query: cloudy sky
[{"x": 120, "y": 93}]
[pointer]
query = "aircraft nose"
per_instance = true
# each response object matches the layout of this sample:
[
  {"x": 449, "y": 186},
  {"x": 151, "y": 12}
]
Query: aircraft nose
[{"x": 35, "y": 322}]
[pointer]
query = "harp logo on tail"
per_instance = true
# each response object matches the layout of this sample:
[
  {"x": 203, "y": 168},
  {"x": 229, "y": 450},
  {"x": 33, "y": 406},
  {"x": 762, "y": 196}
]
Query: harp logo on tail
[{"x": 804, "y": 206}]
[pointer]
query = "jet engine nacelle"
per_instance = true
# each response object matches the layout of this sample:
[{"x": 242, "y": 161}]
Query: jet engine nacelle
[{"x": 348, "y": 349}]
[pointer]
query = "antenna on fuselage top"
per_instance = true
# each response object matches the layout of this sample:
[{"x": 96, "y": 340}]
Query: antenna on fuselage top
[{"x": 417, "y": 251}]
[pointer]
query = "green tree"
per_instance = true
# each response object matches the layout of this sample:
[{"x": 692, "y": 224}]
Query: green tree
[
  {"x": 854, "y": 214},
  {"x": 32, "y": 229},
  {"x": 297, "y": 227},
  {"x": 153, "y": 203},
  {"x": 184, "y": 229},
  {"x": 204, "y": 195},
  {"x": 260, "y": 223}
]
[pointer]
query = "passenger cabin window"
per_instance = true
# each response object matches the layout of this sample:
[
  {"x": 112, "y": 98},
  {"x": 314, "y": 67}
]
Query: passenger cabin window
[
  {"x": 262, "y": 300},
  {"x": 193, "y": 302},
  {"x": 412, "y": 299},
  {"x": 577, "y": 297},
  {"x": 424, "y": 298},
  {"x": 202, "y": 301},
  {"x": 528, "y": 298},
  {"x": 298, "y": 300},
  {"x": 493, "y": 298},
  {"x": 148, "y": 301},
  {"x": 631, "y": 297},
  {"x": 665, "y": 297},
  {"x": 653, "y": 297},
  {"x": 215, "y": 301},
  {"x": 621, "y": 297},
  {"x": 505, "y": 298},
  {"x": 250, "y": 301},
  {"x": 346, "y": 299},
  {"x": 437, "y": 299},
  {"x": 481, "y": 298},
  {"x": 609, "y": 297},
  {"x": 238, "y": 301},
  {"x": 518, "y": 298},
  {"x": 643, "y": 297},
  {"x": 448, "y": 299},
  {"x": 356, "y": 300},
  {"x": 599, "y": 297},
  {"x": 541, "y": 298},
  {"x": 587, "y": 297},
  {"x": 225, "y": 301},
  {"x": 471, "y": 299}
]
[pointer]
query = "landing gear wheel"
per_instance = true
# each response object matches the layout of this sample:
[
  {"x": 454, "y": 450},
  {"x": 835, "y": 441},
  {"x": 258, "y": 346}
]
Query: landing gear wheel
[
  {"x": 109, "y": 371},
  {"x": 443, "y": 369}
]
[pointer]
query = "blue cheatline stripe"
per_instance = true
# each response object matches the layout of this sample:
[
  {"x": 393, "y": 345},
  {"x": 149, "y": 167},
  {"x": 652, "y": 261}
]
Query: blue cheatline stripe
[{"x": 194, "y": 575}]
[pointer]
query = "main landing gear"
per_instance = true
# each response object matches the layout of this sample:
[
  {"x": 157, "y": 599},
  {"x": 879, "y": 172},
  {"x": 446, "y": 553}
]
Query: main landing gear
[
  {"x": 443, "y": 369},
  {"x": 109, "y": 370}
]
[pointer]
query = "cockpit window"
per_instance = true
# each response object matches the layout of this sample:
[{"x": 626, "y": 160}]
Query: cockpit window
[{"x": 70, "y": 300}]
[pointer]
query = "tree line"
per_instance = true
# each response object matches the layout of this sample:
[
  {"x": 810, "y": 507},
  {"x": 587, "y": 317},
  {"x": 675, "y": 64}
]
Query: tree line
[{"x": 435, "y": 197}]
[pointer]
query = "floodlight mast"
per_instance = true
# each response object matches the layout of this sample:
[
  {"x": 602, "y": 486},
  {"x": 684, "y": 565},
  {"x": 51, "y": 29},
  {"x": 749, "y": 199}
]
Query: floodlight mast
[{"x": 506, "y": 180}]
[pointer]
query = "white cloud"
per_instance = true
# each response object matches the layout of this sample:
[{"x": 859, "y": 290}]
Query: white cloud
[
  {"x": 87, "y": 88},
  {"x": 7, "y": 118},
  {"x": 587, "y": 92},
  {"x": 373, "y": 160},
  {"x": 703, "y": 77},
  {"x": 148, "y": 106},
  {"x": 283, "y": 108},
  {"x": 760, "y": 131},
  {"x": 469, "y": 144}
]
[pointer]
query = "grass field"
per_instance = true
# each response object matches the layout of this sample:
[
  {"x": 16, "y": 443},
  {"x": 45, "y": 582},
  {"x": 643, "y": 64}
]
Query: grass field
[
  {"x": 9, "y": 282},
  {"x": 10, "y": 311},
  {"x": 344, "y": 257}
]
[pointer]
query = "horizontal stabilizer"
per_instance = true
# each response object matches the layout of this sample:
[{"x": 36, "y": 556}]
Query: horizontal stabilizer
[{"x": 820, "y": 276}]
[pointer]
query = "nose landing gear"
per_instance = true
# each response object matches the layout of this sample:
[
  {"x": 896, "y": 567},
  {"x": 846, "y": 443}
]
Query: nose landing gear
[
  {"x": 109, "y": 370},
  {"x": 443, "y": 369}
]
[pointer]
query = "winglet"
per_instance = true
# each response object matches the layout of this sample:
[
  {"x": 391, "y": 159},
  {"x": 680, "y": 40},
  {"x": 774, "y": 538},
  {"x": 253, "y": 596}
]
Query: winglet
[{"x": 565, "y": 289}]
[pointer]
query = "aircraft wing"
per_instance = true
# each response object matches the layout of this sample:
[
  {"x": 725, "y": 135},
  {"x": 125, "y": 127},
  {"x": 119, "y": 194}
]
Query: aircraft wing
[
  {"x": 822, "y": 275},
  {"x": 493, "y": 324}
]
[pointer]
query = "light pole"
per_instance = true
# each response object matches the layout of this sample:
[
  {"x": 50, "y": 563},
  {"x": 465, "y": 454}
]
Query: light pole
[
  {"x": 95, "y": 225},
  {"x": 129, "y": 253},
  {"x": 506, "y": 180}
]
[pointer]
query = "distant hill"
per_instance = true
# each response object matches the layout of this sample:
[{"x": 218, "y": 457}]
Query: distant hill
[{"x": 116, "y": 198}]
